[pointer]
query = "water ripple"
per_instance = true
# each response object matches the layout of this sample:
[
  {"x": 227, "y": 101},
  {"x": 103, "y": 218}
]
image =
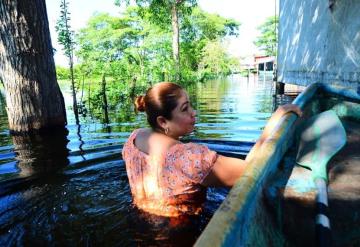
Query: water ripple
[{"x": 73, "y": 190}]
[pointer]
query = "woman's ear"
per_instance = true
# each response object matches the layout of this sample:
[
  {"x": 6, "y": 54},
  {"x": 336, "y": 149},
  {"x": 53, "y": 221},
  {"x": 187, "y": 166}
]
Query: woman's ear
[{"x": 162, "y": 122}]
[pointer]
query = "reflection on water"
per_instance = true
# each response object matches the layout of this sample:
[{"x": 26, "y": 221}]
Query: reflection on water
[
  {"x": 232, "y": 109},
  {"x": 41, "y": 154},
  {"x": 72, "y": 188}
]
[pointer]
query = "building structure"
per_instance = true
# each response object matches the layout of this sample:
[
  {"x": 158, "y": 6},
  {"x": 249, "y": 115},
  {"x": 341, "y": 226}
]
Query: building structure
[
  {"x": 265, "y": 63},
  {"x": 319, "y": 41}
]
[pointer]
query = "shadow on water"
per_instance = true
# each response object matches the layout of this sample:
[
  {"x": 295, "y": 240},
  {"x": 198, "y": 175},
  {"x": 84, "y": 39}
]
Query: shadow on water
[
  {"x": 72, "y": 189},
  {"x": 41, "y": 154},
  {"x": 37, "y": 156},
  {"x": 86, "y": 202}
]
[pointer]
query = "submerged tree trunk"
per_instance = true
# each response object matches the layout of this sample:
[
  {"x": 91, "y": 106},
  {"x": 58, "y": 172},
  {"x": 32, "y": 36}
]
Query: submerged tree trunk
[
  {"x": 75, "y": 105},
  {"x": 41, "y": 154},
  {"x": 65, "y": 37},
  {"x": 175, "y": 41},
  {"x": 133, "y": 87},
  {"x": 105, "y": 104},
  {"x": 33, "y": 97},
  {"x": 89, "y": 97}
]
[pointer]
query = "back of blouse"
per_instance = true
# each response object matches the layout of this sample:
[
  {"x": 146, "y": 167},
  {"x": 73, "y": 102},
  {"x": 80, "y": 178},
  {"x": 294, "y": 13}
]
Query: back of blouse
[{"x": 169, "y": 185}]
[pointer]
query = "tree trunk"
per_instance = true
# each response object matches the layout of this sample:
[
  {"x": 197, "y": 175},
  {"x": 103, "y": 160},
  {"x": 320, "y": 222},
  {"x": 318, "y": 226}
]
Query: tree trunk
[
  {"x": 89, "y": 97},
  {"x": 75, "y": 105},
  {"x": 175, "y": 41},
  {"x": 105, "y": 104},
  {"x": 141, "y": 64},
  {"x": 33, "y": 97},
  {"x": 133, "y": 87},
  {"x": 71, "y": 64}
]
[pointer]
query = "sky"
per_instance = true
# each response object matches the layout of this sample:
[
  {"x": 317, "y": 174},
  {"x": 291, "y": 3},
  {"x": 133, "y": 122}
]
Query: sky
[{"x": 250, "y": 13}]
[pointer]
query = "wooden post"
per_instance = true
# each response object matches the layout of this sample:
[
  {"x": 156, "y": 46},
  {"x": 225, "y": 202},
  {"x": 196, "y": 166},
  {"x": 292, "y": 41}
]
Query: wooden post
[
  {"x": 265, "y": 71},
  {"x": 280, "y": 86}
]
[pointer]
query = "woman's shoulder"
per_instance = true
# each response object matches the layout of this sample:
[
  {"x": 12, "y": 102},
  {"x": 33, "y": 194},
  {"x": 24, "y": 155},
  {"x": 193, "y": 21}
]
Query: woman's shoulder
[
  {"x": 129, "y": 146},
  {"x": 138, "y": 133},
  {"x": 134, "y": 133},
  {"x": 150, "y": 142},
  {"x": 189, "y": 148}
]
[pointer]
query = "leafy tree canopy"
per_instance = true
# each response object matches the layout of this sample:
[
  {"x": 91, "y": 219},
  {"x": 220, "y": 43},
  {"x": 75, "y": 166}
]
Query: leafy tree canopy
[
  {"x": 132, "y": 51},
  {"x": 159, "y": 11},
  {"x": 142, "y": 48},
  {"x": 65, "y": 34},
  {"x": 267, "y": 40},
  {"x": 208, "y": 26}
]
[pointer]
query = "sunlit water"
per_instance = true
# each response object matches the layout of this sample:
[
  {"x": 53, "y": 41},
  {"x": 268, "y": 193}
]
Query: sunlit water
[{"x": 73, "y": 190}]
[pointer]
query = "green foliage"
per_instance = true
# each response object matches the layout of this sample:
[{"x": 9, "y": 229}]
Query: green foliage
[
  {"x": 267, "y": 41},
  {"x": 66, "y": 39},
  {"x": 117, "y": 93},
  {"x": 215, "y": 61},
  {"x": 158, "y": 12},
  {"x": 62, "y": 73},
  {"x": 205, "y": 26},
  {"x": 65, "y": 34},
  {"x": 133, "y": 52},
  {"x": 166, "y": 14},
  {"x": 199, "y": 30}
]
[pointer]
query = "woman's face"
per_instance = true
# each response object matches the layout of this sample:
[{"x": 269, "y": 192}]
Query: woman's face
[{"x": 183, "y": 117}]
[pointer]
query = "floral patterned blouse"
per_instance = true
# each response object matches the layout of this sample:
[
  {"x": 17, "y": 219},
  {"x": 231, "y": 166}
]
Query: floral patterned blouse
[{"x": 168, "y": 186}]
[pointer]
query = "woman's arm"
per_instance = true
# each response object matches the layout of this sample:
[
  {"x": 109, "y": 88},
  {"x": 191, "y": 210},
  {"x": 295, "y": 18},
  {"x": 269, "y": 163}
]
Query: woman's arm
[{"x": 227, "y": 170}]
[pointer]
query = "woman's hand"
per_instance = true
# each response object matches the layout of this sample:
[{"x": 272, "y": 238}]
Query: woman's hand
[
  {"x": 283, "y": 109},
  {"x": 271, "y": 124},
  {"x": 279, "y": 113}
]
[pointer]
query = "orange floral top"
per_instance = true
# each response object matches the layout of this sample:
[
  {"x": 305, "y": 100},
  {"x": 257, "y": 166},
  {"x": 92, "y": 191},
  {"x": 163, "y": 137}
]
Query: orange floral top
[{"x": 169, "y": 186}]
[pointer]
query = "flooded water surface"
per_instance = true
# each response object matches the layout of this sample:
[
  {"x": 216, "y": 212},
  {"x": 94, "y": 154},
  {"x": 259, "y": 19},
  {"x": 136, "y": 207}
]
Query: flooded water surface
[{"x": 73, "y": 190}]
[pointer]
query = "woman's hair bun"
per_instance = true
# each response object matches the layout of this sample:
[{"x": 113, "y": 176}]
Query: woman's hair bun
[{"x": 140, "y": 103}]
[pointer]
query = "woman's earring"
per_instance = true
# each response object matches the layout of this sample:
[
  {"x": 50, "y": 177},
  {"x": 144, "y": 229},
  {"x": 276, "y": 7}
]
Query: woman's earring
[{"x": 166, "y": 131}]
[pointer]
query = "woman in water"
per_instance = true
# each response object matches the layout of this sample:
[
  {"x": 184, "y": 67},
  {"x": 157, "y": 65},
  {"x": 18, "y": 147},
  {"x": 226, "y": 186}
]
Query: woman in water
[{"x": 168, "y": 177}]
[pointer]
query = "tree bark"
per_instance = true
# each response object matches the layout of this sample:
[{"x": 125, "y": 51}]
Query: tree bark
[
  {"x": 71, "y": 64},
  {"x": 33, "y": 97},
  {"x": 105, "y": 104},
  {"x": 133, "y": 87},
  {"x": 175, "y": 41},
  {"x": 75, "y": 105}
]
